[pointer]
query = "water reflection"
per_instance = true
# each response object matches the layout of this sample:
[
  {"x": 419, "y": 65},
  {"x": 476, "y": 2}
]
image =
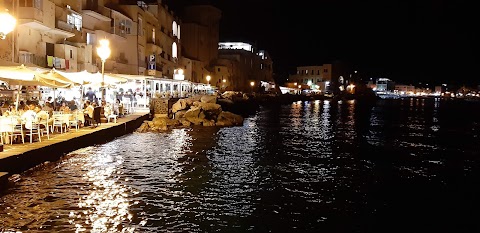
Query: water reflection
[{"x": 337, "y": 166}]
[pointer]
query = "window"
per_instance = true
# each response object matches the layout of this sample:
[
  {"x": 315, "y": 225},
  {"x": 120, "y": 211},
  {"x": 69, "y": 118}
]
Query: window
[
  {"x": 174, "y": 28},
  {"x": 71, "y": 54},
  {"x": 153, "y": 35},
  {"x": 313, "y": 72},
  {"x": 325, "y": 70},
  {"x": 318, "y": 71},
  {"x": 124, "y": 26},
  {"x": 140, "y": 26},
  {"x": 178, "y": 32},
  {"x": 174, "y": 50},
  {"x": 306, "y": 71},
  {"x": 218, "y": 69},
  {"x": 261, "y": 66},
  {"x": 75, "y": 20},
  {"x": 90, "y": 38}
]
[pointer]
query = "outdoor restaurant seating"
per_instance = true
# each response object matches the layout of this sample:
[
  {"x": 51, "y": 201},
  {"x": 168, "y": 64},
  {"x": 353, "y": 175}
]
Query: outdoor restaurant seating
[{"x": 96, "y": 119}]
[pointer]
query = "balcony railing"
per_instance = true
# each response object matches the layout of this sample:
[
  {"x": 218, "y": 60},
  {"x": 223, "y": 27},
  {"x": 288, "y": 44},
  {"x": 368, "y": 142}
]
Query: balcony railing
[
  {"x": 118, "y": 32},
  {"x": 64, "y": 26},
  {"x": 30, "y": 13},
  {"x": 30, "y": 58}
]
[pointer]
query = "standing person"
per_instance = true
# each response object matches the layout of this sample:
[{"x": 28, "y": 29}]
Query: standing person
[{"x": 91, "y": 95}]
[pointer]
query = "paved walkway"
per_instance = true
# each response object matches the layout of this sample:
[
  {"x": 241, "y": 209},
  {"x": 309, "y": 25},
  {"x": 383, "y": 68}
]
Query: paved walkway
[
  {"x": 21, "y": 153},
  {"x": 19, "y": 148}
]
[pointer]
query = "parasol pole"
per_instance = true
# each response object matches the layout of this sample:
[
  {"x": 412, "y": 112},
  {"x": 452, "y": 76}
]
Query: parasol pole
[
  {"x": 54, "y": 100},
  {"x": 18, "y": 97}
]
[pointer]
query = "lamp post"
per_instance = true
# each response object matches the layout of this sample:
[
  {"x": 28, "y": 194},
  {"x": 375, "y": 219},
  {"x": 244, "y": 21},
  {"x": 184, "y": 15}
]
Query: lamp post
[
  {"x": 7, "y": 24},
  {"x": 208, "y": 79},
  {"x": 252, "y": 83},
  {"x": 103, "y": 52}
]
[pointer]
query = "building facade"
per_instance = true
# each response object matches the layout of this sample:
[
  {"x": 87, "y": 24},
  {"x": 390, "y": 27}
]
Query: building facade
[
  {"x": 144, "y": 38},
  {"x": 244, "y": 64},
  {"x": 332, "y": 77},
  {"x": 201, "y": 35}
]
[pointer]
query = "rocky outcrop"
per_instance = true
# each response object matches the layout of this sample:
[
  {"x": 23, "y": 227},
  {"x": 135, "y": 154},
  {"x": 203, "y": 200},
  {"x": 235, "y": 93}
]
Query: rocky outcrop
[{"x": 198, "y": 110}]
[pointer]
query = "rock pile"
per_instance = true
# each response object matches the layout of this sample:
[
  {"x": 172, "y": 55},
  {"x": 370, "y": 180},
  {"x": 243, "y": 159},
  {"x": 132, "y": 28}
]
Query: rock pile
[{"x": 198, "y": 110}]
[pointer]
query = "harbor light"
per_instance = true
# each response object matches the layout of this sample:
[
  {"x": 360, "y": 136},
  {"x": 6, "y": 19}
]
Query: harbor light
[
  {"x": 103, "y": 52},
  {"x": 7, "y": 24},
  {"x": 208, "y": 79}
]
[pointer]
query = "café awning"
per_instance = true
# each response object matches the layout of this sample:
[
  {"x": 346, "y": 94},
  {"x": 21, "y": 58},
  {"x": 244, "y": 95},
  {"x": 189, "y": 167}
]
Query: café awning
[{"x": 21, "y": 75}]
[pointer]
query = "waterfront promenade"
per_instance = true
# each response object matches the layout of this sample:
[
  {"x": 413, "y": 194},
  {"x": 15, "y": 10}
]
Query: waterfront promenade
[{"x": 18, "y": 158}]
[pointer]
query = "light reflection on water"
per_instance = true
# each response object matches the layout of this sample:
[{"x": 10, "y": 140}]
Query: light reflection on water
[{"x": 340, "y": 166}]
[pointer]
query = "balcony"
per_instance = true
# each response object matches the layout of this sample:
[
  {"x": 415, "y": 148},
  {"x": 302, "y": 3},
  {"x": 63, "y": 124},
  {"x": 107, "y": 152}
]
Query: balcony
[
  {"x": 32, "y": 18},
  {"x": 64, "y": 29},
  {"x": 153, "y": 47},
  {"x": 118, "y": 33},
  {"x": 96, "y": 12}
]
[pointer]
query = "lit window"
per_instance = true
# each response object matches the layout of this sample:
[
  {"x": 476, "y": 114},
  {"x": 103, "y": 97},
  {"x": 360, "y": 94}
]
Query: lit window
[
  {"x": 75, "y": 20},
  {"x": 174, "y": 50}
]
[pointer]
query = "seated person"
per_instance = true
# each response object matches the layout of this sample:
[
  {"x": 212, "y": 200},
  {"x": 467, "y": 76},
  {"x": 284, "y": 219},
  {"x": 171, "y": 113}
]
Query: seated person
[
  {"x": 43, "y": 117},
  {"x": 88, "y": 111},
  {"x": 64, "y": 108}
]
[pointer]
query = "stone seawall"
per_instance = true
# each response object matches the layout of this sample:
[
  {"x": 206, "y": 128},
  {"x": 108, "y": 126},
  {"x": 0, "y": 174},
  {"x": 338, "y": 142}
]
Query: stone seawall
[{"x": 54, "y": 150}]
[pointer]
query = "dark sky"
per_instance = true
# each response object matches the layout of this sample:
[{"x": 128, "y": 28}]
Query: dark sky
[{"x": 430, "y": 41}]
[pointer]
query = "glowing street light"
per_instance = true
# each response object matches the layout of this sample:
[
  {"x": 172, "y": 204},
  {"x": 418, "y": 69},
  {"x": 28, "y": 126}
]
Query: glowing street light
[
  {"x": 103, "y": 52},
  {"x": 7, "y": 24},
  {"x": 252, "y": 83},
  {"x": 224, "y": 80},
  {"x": 208, "y": 79}
]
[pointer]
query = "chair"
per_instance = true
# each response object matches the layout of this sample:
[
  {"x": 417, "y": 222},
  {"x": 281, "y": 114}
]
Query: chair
[
  {"x": 75, "y": 120},
  {"x": 59, "y": 121},
  {"x": 96, "y": 115},
  {"x": 17, "y": 130},
  {"x": 33, "y": 128}
]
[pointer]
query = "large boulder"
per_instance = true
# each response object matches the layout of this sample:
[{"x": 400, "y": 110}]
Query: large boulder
[
  {"x": 195, "y": 115},
  {"x": 159, "y": 122},
  {"x": 180, "y": 114},
  {"x": 209, "y": 107},
  {"x": 208, "y": 99},
  {"x": 226, "y": 118},
  {"x": 181, "y": 104}
]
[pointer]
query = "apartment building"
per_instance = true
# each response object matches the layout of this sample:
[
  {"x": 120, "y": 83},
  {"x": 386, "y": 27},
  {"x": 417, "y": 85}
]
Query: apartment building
[
  {"x": 240, "y": 64},
  {"x": 316, "y": 77},
  {"x": 200, "y": 24},
  {"x": 144, "y": 38},
  {"x": 327, "y": 77}
]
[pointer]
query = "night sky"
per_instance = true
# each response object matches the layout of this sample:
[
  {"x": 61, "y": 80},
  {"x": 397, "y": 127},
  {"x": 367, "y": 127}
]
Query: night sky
[{"x": 408, "y": 41}]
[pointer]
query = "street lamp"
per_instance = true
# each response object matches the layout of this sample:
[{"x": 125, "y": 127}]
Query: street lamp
[
  {"x": 7, "y": 24},
  {"x": 252, "y": 83},
  {"x": 208, "y": 79},
  {"x": 103, "y": 52}
]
